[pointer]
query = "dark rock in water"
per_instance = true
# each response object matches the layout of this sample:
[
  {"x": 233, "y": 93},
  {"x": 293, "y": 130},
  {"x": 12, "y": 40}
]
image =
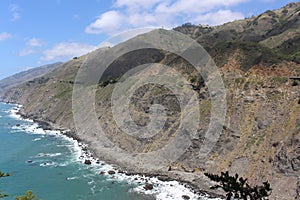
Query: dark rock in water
[
  {"x": 148, "y": 187},
  {"x": 102, "y": 172},
  {"x": 185, "y": 197},
  {"x": 129, "y": 174},
  {"x": 29, "y": 161},
  {"x": 42, "y": 124},
  {"x": 164, "y": 178},
  {"x": 17, "y": 125},
  {"x": 111, "y": 172},
  {"x": 87, "y": 162}
]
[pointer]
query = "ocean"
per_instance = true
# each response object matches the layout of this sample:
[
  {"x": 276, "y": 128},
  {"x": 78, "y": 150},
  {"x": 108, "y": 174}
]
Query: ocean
[{"x": 51, "y": 165}]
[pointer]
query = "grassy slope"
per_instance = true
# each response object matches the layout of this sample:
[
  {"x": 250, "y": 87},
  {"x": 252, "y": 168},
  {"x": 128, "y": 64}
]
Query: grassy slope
[{"x": 272, "y": 35}]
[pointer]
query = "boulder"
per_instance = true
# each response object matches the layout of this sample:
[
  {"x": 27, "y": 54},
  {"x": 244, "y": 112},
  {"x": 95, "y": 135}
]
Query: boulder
[
  {"x": 148, "y": 187},
  {"x": 185, "y": 197},
  {"x": 87, "y": 162},
  {"x": 111, "y": 172},
  {"x": 249, "y": 99}
]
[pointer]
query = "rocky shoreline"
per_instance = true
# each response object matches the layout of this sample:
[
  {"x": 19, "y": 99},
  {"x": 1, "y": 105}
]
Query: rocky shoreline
[{"x": 197, "y": 183}]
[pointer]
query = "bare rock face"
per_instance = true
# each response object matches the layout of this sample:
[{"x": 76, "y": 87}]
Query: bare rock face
[
  {"x": 287, "y": 159},
  {"x": 241, "y": 166}
]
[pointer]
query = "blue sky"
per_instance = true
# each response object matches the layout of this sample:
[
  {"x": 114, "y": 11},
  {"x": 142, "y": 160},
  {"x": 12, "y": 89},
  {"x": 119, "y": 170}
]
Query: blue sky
[{"x": 38, "y": 32}]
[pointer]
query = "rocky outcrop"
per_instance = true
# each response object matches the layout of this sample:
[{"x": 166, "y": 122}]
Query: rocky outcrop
[{"x": 287, "y": 158}]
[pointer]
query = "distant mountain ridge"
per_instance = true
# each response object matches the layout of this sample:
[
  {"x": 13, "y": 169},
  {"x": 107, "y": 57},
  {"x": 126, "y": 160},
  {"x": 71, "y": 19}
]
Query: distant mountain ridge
[{"x": 22, "y": 77}]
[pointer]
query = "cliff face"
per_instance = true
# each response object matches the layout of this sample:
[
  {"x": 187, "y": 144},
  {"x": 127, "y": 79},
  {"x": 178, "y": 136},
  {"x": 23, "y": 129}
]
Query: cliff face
[
  {"x": 261, "y": 133},
  {"x": 261, "y": 136}
]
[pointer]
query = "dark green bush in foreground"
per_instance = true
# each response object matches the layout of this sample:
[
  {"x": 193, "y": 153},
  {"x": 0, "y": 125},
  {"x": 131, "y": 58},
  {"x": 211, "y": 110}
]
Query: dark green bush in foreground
[
  {"x": 1, "y": 176},
  {"x": 27, "y": 196},
  {"x": 238, "y": 188}
]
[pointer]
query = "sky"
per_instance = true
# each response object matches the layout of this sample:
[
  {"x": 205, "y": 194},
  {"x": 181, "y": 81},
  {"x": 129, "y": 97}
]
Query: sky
[{"x": 39, "y": 32}]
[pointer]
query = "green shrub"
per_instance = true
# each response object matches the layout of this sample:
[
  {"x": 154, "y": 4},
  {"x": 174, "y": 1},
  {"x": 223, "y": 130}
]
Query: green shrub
[
  {"x": 285, "y": 11},
  {"x": 108, "y": 81},
  {"x": 27, "y": 196},
  {"x": 271, "y": 13},
  {"x": 238, "y": 188},
  {"x": 1, "y": 176},
  {"x": 295, "y": 83},
  {"x": 279, "y": 80}
]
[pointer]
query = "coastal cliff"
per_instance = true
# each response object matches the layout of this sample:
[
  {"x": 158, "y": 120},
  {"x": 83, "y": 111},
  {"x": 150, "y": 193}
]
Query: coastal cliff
[
  {"x": 258, "y": 59},
  {"x": 22, "y": 77}
]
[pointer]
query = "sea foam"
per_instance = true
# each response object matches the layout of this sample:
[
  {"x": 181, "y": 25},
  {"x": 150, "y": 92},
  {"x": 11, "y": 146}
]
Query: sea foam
[{"x": 162, "y": 190}]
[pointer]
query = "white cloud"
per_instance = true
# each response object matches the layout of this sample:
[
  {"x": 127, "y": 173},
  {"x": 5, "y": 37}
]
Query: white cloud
[
  {"x": 195, "y": 6},
  {"x": 133, "y": 5},
  {"x": 150, "y": 19},
  {"x": 35, "y": 42},
  {"x": 67, "y": 50},
  {"x": 219, "y": 17},
  {"x": 128, "y": 14},
  {"x": 109, "y": 22},
  {"x": 106, "y": 44},
  {"x": 32, "y": 46},
  {"x": 26, "y": 52},
  {"x": 4, "y": 36},
  {"x": 15, "y": 12},
  {"x": 125, "y": 35}
]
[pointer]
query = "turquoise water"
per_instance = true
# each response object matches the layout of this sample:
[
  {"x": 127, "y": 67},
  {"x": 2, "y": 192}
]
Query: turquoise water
[
  {"x": 51, "y": 165},
  {"x": 48, "y": 165}
]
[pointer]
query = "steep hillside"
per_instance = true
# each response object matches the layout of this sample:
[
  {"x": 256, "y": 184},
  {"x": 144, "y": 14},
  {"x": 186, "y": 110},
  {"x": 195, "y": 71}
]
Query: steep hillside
[
  {"x": 269, "y": 37},
  {"x": 22, "y": 77},
  {"x": 261, "y": 133},
  {"x": 48, "y": 97}
]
